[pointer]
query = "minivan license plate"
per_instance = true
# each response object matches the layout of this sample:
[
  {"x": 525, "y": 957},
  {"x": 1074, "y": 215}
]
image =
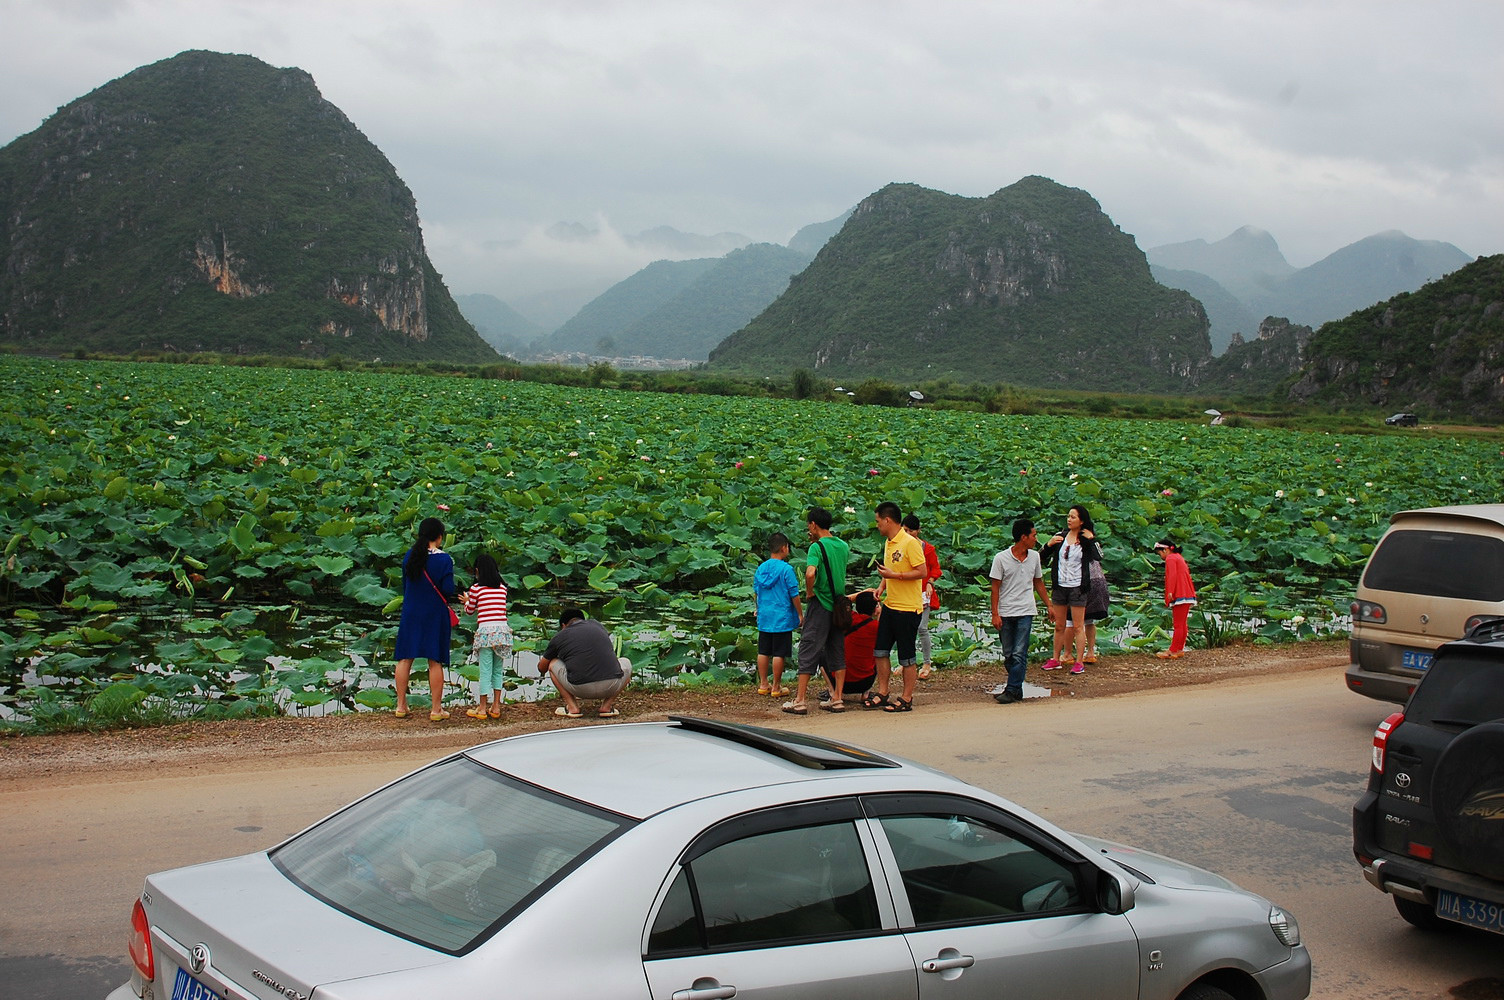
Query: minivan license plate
[
  {"x": 185, "y": 987},
  {"x": 1470, "y": 911},
  {"x": 1416, "y": 660}
]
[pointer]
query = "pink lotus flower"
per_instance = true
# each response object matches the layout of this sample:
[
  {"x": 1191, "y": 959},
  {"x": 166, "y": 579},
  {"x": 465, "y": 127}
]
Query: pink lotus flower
[
  {"x": 738, "y": 465},
  {"x": 260, "y": 459},
  {"x": 1166, "y": 493},
  {"x": 442, "y": 506}
]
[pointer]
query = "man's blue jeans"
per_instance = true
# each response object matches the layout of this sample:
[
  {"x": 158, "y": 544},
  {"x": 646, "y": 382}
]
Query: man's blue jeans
[{"x": 1013, "y": 634}]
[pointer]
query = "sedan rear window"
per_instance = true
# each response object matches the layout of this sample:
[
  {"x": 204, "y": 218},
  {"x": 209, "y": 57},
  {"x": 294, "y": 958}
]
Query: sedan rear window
[
  {"x": 1439, "y": 564},
  {"x": 447, "y": 855}
]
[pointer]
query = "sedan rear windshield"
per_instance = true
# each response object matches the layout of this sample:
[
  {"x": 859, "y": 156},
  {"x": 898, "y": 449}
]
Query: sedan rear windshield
[
  {"x": 447, "y": 855},
  {"x": 1439, "y": 564},
  {"x": 1461, "y": 689}
]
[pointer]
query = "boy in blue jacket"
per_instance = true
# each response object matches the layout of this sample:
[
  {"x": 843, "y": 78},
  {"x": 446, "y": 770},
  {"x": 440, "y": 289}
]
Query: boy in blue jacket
[{"x": 776, "y": 593}]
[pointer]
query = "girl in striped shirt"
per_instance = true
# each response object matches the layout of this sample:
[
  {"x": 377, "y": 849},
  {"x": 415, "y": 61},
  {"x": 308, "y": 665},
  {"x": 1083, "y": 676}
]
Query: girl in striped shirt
[{"x": 487, "y": 600}]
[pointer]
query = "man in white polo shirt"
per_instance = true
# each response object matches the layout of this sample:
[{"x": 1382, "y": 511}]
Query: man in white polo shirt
[{"x": 1014, "y": 571}]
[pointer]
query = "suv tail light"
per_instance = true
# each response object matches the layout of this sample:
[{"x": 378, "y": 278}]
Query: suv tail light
[
  {"x": 1381, "y": 739},
  {"x": 140, "y": 948},
  {"x": 1369, "y": 613}
]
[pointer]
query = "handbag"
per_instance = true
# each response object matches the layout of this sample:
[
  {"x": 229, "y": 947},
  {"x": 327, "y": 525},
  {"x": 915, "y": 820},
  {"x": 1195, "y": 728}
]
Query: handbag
[
  {"x": 840, "y": 611},
  {"x": 454, "y": 619},
  {"x": 1097, "y": 595}
]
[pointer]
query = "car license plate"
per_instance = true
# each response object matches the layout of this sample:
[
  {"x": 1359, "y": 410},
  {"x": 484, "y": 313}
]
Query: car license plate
[
  {"x": 185, "y": 987},
  {"x": 1470, "y": 911},
  {"x": 1416, "y": 660}
]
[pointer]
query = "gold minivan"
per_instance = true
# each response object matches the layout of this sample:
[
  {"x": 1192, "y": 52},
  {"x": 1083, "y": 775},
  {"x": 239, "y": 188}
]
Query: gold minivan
[{"x": 1435, "y": 574}]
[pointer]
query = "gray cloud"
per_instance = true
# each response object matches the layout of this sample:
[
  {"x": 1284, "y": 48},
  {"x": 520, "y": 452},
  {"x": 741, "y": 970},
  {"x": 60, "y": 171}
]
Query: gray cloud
[{"x": 1322, "y": 123}]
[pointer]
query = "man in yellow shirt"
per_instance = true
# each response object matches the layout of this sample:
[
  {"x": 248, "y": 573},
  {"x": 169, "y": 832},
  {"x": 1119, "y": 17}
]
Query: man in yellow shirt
[{"x": 903, "y": 572}]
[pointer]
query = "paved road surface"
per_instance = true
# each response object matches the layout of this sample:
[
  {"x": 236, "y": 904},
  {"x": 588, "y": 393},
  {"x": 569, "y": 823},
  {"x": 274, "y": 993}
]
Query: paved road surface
[{"x": 1253, "y": 779}]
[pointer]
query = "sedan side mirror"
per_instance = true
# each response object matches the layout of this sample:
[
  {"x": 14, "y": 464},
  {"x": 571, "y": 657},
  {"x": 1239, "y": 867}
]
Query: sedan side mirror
[{"x": 1114, "y": 892}]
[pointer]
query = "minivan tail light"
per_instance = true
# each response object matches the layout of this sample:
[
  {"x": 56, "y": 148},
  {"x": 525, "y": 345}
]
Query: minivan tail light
[
  {"x": 1381, "y": 739},
  {"x": 1369, "y": 613},
  {"x": 140, "y": 948}
]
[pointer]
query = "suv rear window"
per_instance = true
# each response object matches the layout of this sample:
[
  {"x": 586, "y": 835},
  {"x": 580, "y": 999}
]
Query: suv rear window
[
  {"x": 444, "y": 856},
  {"x": 1463, "y": 688},
  {"x": 1439, "y": 564}
]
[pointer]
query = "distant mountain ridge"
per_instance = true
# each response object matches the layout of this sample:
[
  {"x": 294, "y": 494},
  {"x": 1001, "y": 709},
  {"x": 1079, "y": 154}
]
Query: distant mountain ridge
[
  {"x": 498, "y": 324},
  {"x": 211, "y": 202},
  {"x": 1249, "y": 267},
  {"x": 1033, "y": 284}
]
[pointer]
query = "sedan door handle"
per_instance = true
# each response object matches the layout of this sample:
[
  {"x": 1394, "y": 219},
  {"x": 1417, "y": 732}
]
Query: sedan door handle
[
  {"x": 705, "y": 989},
  {"x": 942, "y": 964}
]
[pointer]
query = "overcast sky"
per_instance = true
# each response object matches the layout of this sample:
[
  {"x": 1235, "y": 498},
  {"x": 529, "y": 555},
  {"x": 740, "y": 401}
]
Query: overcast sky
[{"x": 1322, "y": 122}]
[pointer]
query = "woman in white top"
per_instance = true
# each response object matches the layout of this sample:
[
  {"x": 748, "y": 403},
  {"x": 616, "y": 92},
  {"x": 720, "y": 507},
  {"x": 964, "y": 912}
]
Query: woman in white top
[{"x": 1069, "y": 553}]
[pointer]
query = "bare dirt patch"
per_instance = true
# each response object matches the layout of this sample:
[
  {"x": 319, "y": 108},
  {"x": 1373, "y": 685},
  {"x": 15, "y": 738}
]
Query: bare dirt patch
[{"x": 130, "y": 752}]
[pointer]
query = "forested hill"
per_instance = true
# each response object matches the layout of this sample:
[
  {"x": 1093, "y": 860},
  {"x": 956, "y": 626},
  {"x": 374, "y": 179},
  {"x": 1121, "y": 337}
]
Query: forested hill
[
  {"x": 213, "y": 202},
  {"x": 1032, "y": 285},
  {"x": 1439, "y": 349}
]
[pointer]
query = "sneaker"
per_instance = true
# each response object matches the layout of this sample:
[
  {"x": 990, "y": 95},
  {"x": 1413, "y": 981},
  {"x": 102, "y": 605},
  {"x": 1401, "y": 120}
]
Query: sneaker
[
  {"x": 1078, "y": 668},
  {"x": 1050, "y": 664}
]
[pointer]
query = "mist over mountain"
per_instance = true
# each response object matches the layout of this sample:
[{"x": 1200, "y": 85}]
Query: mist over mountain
[
  {"x": 1033, "y": 285},
  {"x": 212, "y": 202},
  {"x": 498, "y": 324},
  {"x": 1359, "y": 275},
  {"x": 594, "y": 329},
  {"x": 1229, "y": 317},
  {"x": 1248, "y": 263},
  {"x": 809, "y": 239}
]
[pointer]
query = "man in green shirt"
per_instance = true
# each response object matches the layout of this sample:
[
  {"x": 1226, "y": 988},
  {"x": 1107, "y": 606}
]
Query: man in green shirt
[{"x": 820, "y": 642}]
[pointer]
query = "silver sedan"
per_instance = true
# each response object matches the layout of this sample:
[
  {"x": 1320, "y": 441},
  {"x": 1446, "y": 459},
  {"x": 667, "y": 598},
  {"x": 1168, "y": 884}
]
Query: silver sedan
[{"x": 696, "y": 860}]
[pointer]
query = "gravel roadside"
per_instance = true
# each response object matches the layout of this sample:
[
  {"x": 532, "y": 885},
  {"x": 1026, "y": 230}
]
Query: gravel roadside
[{"x": 128, "y": 752}]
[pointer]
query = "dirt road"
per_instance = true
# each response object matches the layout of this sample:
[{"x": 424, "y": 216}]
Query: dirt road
[{"x": 1252, "y": 776}]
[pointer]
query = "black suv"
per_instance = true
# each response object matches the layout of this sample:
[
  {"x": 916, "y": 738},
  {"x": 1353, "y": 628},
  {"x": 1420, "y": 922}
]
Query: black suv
[{"x": 1430, "y": 828}]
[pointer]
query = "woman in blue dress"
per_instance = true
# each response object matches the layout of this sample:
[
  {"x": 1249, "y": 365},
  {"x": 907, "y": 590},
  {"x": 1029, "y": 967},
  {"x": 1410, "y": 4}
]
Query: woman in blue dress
[{"x": 423, "y": 631}]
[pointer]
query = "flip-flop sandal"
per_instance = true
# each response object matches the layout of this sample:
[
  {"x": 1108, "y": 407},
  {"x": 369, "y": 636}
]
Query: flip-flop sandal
[
  {"x": 872, "y": 700},
  {"x": 832, "y": 706},
  {"x": 610, "y": 713},
  {"x": 437, "y": 716},
  {"x": 764, "y": 692},
  {"x": 900, "y": 705},
  {"x": 495, "y": 713},
  {"x": 924, "y": 672},
  {"x": 401, "y": 713},
  {"x": 795, "y": 708},
  {"x": 780, "y": 692},
  {"x": 476, "y": 713},
  {"x": 565, "y": 713}
]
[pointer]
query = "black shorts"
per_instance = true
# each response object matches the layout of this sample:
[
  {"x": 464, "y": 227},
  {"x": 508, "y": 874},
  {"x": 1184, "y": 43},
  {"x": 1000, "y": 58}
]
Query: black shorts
[
  {"x": 775, "y": 644},
  {"x": 897, "y": 629},
  {"x": 1069, "y": 597}
]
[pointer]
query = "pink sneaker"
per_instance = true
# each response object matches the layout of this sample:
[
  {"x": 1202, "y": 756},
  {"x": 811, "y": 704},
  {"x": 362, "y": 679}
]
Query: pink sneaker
[
  {"x": 1078, "y": 668},
  {"x": 1050, "y": 664}
]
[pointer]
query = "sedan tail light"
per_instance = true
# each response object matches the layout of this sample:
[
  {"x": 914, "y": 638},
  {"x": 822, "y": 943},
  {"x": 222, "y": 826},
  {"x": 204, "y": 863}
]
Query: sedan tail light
[
  {"x": 140, "y": 948},
  {"x": 1381, "y": 739},
  {"x": 1369, "y": 613}
]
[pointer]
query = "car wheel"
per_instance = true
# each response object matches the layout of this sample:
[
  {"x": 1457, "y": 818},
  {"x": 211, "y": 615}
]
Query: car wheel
[
  {"x": 1420, "y": 915},
  {"x": 1204, "y": 991},
  {"x": 1468, "y": 794}
]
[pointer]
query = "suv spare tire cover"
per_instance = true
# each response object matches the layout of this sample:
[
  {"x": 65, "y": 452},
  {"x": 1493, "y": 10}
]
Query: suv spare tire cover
[{"x": 1468, "y": 794}]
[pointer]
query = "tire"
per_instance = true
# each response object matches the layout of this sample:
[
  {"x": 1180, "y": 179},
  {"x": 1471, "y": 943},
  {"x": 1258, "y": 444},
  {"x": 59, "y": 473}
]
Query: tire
[
  {"x": 1467, "y": 793},
  {"x": 1204, "y": 991},
  {"x": 1421, "y": 916}
]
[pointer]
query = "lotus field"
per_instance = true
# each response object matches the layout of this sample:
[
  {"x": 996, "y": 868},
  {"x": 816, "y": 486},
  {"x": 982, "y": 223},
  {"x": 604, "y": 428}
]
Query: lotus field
[{"x": 220, "y": 541}]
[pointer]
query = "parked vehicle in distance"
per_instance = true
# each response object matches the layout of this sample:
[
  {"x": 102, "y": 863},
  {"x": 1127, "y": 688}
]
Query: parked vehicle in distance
[
  {"x": 1402, "y": 420},
  {"x": 1435, "y": 574},
  {"x": 700, "y": 859},
  {"x": 1430, "y": 828}
]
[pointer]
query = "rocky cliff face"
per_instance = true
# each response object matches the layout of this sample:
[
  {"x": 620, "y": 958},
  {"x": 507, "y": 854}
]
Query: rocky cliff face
[{"x": 213, "y": 202}]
